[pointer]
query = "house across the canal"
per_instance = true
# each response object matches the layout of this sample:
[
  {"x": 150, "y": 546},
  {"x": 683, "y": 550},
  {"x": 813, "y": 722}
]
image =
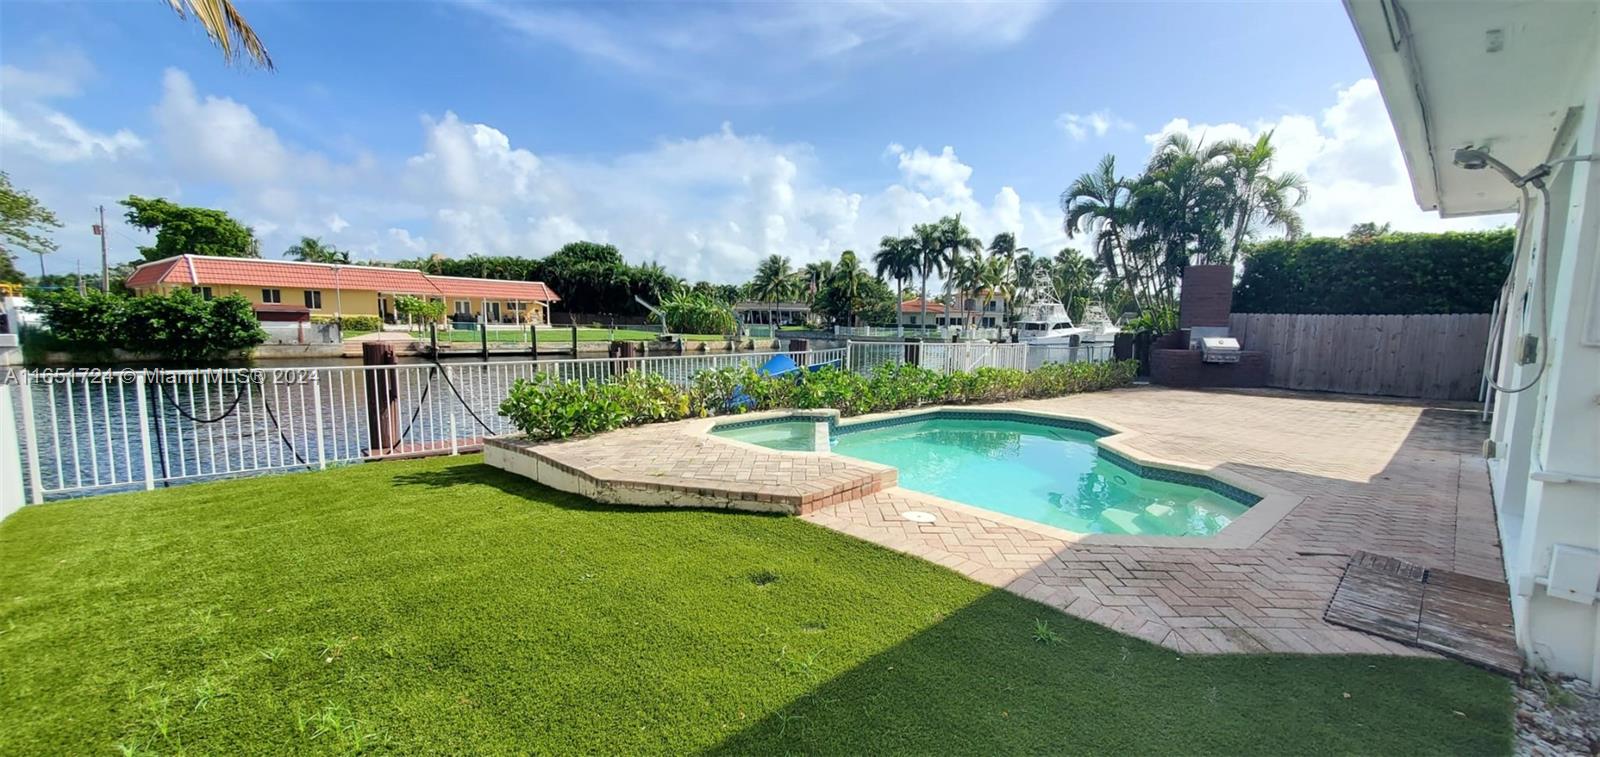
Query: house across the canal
[{"x": 278, "y": 286}]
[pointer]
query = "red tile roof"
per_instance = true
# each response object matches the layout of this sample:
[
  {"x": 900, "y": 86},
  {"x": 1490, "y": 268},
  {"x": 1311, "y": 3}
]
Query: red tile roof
[
  {"x": 914, "y": 305},
  {"x": 190, "y": 270},
  {"x": 494, "y": 289}
]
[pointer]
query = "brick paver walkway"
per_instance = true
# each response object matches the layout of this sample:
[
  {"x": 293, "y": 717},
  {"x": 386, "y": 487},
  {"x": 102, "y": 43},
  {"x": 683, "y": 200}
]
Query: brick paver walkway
[{"x": 1391, "y": 478}]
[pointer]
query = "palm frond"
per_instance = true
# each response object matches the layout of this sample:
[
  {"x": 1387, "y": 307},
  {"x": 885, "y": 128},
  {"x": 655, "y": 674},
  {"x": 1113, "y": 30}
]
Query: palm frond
[{"x": 227, "y": 28}]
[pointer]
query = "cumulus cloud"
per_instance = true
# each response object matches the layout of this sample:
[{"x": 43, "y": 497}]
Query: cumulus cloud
[
  {"x": 1081, "y": 126},
  {"x": 1351, "y": 161},
  {"x": 31, "y": 125}
]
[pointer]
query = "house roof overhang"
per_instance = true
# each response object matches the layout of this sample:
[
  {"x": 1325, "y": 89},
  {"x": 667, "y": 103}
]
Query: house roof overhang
[{"x": 1503, "y": 76}]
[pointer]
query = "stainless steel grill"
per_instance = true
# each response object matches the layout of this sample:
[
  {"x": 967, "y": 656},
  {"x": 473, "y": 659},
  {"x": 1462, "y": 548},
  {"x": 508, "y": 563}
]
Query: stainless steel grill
[{"x": 1219, "y": 349}]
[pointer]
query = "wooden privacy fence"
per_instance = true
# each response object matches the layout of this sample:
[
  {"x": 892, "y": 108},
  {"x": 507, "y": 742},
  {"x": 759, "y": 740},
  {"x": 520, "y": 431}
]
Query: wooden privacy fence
[{"x": 1426, "y": 356}]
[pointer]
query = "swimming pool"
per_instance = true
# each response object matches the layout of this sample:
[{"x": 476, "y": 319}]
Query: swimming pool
[
  {"x": 790, "y": 435},
  {"x": 1050, "y": 473}
]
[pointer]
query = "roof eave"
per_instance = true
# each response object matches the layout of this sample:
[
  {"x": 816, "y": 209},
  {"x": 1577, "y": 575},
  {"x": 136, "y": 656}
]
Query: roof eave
[{"x": 1380, "y": 34}]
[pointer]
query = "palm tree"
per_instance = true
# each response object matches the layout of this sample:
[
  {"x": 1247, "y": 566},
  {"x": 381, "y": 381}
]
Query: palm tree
[
  {"x": 994, "y": 278},
  {"x": 966, "y": 276},
  {"x": 897, "y": 259},
  {"x": 954, "y": 239},
  {"x": 1023, "y": 271},
  {"x": 1097, "y": 203},
  {"x": 816, "y": 276},
  {"x": 930, "y": 259},
  {"x": 846, "y": 282},
  {"x": 227, "y": 28},
  {"x": 312, "y": 250},
  {"x": 1071, "y": 274},
  {"x": 774, "y": 280},
  {"x": 1260, "y": 199}
]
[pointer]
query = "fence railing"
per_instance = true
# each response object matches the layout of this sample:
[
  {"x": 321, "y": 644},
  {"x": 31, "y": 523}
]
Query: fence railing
[{"x": 100, "y": 430}]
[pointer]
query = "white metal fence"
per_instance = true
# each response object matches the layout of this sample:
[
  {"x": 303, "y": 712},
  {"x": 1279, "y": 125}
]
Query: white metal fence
[
  {"x": 945, "y": 357},
  {"x": 97, "y": 431}
]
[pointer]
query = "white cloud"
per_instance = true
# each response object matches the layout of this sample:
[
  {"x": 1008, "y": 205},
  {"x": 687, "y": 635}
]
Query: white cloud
[
  {"x": 1082, "y": 126},
  {"x": 1351, "y": 161},
  {"x": 55, "y": 137},
  {"x": 336, "y": 223},
  {"x": 759, "y": 52}
]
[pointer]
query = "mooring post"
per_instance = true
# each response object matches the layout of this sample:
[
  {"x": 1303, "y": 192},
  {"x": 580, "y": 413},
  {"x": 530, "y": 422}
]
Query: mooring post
[
  {"x": 378, "y": 369},
  {"x": 433, "y": 337},
  {"x": 483, "y": 340},
  {"x": 574, "y": 339},
  {"x": 533, "y": 340}
]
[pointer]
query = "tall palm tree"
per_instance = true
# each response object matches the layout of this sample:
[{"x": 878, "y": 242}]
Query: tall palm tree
[
  {"x": 994, "y": 281},
  {"x": 896, "y": 259},
  {"x": 774, "y": 280},
  {"x": 312, "y": 250},
  {"x": 227, "y": 28},
  {"x": 1023, "y": 272},
  {"x": 930, "y": 259},
  {"x": 1073, "y": 274},
  {"x": 966, "y": 277},
  {"x": 955, "y": 239},
  {"x": 1260, "y": 199},
  {"x": 847, "y": 279},
  {"x": 1098, "y": 203}
]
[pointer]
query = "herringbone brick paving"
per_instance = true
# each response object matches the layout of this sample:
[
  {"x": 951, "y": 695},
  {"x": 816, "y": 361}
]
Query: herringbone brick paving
[{"x": 1384, "y": 477}]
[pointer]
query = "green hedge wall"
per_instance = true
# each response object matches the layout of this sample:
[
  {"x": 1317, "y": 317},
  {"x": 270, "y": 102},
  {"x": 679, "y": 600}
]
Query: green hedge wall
[{"x": 1392, "y": 274}]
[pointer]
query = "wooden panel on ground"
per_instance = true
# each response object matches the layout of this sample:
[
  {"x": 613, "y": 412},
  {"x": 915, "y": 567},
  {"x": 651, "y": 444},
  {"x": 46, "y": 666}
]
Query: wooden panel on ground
[
  {"x": 1456, "y": 615},
  {"x": 1425, "y": 356}
]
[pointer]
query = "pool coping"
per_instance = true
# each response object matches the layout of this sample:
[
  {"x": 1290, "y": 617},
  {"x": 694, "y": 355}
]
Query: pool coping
[{"x": 1272, "y": 506}]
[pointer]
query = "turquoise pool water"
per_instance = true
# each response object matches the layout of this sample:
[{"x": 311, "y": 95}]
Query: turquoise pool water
[
  {"x": 1046, "y": 474},
  {"x": 793, "y": 436}
]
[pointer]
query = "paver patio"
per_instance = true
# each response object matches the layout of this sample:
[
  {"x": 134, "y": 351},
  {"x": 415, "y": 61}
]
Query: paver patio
[{"x": 1392, "y": 478}]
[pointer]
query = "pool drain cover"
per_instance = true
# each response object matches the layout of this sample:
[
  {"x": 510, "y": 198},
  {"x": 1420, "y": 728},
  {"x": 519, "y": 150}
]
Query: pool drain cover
[{"x": 918, "y": 516}]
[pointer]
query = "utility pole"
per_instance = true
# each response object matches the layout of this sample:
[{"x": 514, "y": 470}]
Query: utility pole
[{"x": 105, "y": 264}]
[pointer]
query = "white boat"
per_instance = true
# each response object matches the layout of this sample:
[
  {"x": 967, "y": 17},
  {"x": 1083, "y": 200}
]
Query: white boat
[{"x": 1047, "y": 322}]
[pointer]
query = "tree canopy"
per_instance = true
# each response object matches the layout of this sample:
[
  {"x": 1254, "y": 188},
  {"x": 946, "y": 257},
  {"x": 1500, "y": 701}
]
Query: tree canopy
[
  {"x": 183, "y": 230},
  {"x": 24, "y": 225}
]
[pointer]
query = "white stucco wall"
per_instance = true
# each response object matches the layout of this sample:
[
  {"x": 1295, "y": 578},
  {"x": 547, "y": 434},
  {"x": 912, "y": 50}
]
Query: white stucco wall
[{"x": 1547, "y": 439}]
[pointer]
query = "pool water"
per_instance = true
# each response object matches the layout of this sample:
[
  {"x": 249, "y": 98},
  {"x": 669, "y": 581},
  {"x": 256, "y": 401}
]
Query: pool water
[
  {"x": 1042, "y": 473},
  {"x": 792, "y": 436}
]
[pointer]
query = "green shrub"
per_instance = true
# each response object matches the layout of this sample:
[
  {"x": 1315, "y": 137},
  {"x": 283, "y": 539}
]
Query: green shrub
[
  {"x": 351, "y": 322},
  {"x": 1453, "y": 272},
  {"x": 691, "y": 312},
  {"x": 549, "y": 407},
  {"x": 181, "y": 326}
]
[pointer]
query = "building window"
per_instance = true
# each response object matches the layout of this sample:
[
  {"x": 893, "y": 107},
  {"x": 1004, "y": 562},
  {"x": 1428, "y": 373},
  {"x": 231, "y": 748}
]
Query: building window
[
  {"x": 463, "y": 307},
  {"x": 271, "y": 296},
  {"x": 314, "y": 299},
  {"x": 204, "y": 292}
]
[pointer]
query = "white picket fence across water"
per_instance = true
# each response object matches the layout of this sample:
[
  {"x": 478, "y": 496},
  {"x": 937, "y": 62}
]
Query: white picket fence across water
[{"x": 92, "y": 431}]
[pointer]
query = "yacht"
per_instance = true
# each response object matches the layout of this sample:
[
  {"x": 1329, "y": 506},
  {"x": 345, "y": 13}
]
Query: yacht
[{"x": 1046, "y": 321}]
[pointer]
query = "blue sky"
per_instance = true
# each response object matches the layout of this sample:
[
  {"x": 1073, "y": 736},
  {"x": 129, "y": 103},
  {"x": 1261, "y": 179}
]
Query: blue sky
[{"x": 700, "y": 136}]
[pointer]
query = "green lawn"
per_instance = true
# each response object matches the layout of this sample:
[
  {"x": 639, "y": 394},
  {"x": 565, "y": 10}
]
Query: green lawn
[
  {"x": 441, "y": 606},
  {"x": 558, "y": 335}
]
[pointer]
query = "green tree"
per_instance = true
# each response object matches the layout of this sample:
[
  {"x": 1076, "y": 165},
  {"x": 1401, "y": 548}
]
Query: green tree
[
  {"x": 1073, "y": 277},
  {"x": 774, "y": 280},
  {"x": 931, "y": 260},
  {"x": 188, "y": 230},
  {"x": 1259, "y": 199},
  {"x": 419, "y": 310},
  {"x": 23, "y": 226},
  {"x": 1368, "y": 230},
  {"x": 955, "y": 239},
  {"x": 1099, "y": 203},
  {"x": 313, "y": 250},
  {"x": 896, "y": 259},
  {"x": 816, "y": 277}
]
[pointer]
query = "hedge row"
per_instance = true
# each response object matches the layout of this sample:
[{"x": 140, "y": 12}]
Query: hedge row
[
  {"x": 552, "y": 408},
  {"x": 1396, "y": 273}
]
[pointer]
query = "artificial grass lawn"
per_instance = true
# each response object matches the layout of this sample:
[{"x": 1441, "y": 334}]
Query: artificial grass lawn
[{"x": 444, "y": 606}]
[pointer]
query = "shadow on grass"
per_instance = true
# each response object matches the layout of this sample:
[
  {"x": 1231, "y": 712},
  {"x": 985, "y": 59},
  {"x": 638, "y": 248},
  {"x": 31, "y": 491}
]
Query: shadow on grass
[
  {"x": 481, "y": 474},
  {"x": 980, "y": 681}
]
